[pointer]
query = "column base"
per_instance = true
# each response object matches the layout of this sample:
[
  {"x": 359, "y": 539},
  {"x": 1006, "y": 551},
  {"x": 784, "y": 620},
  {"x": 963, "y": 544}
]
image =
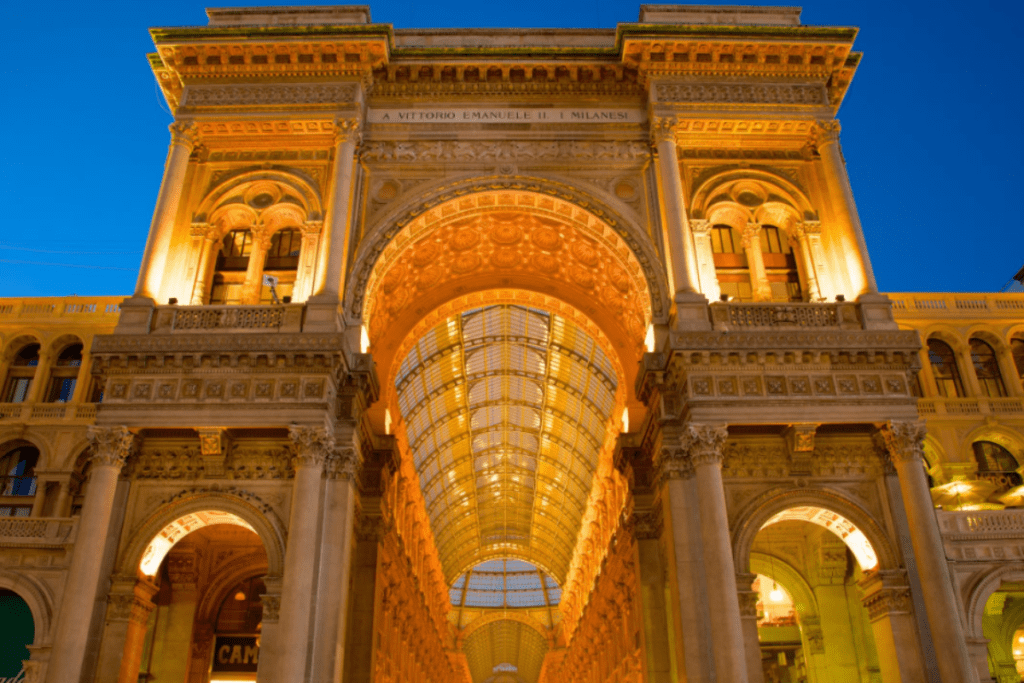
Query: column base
[
  {"x": 876, "y": 312},
  {"x": 691, "y": 312},
  {"x": 322, "y": 315},
  {"x": 136, "y": 315}
]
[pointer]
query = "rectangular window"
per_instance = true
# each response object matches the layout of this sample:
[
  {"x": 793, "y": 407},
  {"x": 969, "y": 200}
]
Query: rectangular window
[
  {"x": 17, "y": 389},
  {"x": 61, "y": 389}
]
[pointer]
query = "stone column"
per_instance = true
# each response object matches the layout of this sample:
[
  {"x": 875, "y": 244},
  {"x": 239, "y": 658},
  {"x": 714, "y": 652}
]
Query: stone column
[
  {"x": 838, "y": 183},
  {"x": 110, "y": 447},
  {"x": 887, "y": 600},
  {"x": 184, "y": 135},
  {"x": 334, "y": 241},
  {"x": 705, "y": 443},
  {"x": 705, "y": 258},
  {"x": 128, "y": 608},
  {"x": 307, "y": 261},
  {"x": 40, "y": 380},
  {"x": 799, "y": 241},
  {"x": 681, "y": 253},
  {"x": 748, "y": 615},
  {"x": 689, "y": 592},
  {"x": 252, "y": 288},
  {"x": 762, "y": 291},
  {"x": 903, "y": 440},
  {"x": 206, "y": 236},
  {"x": 272, "y": 641},
  {"x": 312, "y": 446},
  {"x": 335, "y": 562}
]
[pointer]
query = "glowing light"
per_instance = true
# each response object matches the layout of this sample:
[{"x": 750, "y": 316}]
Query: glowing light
[
  {"x": 776, "y": 594},
  {"x": 853, "y": 537},
  {"x": 364, "y": 340},
  {"x": 649, "y": 339},
  {"x": 177, "y": 530},
  {"x": 387, "y": 421},
  {"x": 239, "y": 596},
  {"x": 625, "y": 420}
]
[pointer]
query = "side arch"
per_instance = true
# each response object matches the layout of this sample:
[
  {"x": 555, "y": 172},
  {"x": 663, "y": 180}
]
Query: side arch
[
  {"x": 39, "y": 600},
  {"x": 750, "y": 520},
  {"x": 791, "y": 579},
  {"x": 246, "y": 506},
  {"x": 982, "y": 588},
  {"x": 381, "y": 234}
]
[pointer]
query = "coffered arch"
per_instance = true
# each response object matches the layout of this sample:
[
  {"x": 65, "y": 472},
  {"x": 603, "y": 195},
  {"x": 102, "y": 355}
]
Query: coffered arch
[{"x": 255, "y": 190}]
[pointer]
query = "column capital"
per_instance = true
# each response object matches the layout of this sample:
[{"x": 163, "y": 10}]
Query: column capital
[
  {"x": 111, "y": 446},
  {"x": 271, "y": 608},
  {"x": 705, "y": 443},
  {"x": 886, "y": 592},
  {"x": 312, "y": 227},
  {"x": 347, "y": 129},
  {"x": 343, "y": 463},
  {"x": 663, "y": 128},
  {"x": 903, "y": 440},
  {"x": 700, "y": 226},
  {"x": 134, "y": 606},
  {"x": 751, "y": 235},
  {"x": 825, "y": 132},
  {"x": 747, "y": 595},
  {"x": 674, "y": 463},
  {"x": 312, "y": 445},
  {"x": 185, "y": 133}
]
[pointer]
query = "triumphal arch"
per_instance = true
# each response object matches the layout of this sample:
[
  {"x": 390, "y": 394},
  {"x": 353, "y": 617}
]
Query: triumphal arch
[{"x": 511, "y": 356}]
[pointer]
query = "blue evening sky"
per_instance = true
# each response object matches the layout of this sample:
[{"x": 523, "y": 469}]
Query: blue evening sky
[{"x": 931, "y": 131}]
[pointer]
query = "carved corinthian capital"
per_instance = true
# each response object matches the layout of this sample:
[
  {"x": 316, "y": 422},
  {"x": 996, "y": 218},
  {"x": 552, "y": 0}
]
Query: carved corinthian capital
[
  {"x": 825, "y": 131},
  {"x": 312, "y": 445},
  {"x": 343, "y": 463},
  {"x": 346, "y": 130},
  {"x": 674, "y": 463},
  {"x": 663, "y": 128},
  {"x": 700, "y": 226},
  {"x": 706, "y": 443},
  {"x": 111, "y": 446},
  {"x": 903, "y": 440},
  {"x": 184, "y": 133}
]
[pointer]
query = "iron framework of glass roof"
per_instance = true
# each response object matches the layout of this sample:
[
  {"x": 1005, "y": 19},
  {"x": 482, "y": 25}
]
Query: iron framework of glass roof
[
  {"x": 503, "y": 584},
  {"x": 505, "y": 411}
]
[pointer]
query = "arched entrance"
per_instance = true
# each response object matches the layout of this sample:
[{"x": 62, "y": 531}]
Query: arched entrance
[
  {"x": 507, "y": 326},
  {"x": 17, "y": 632},
  {"x": 195, "y": 580}
]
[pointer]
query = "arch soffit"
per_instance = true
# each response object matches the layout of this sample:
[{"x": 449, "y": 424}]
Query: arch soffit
[
  {"x": 389, "y": 225},
  {"x": 764, "y": 507},
  {"x": 61, "y": 342},
  {"x": 776, "y": 189},
  {"x": 38, "y": 598},
  {"x": 982, "y": 588},
  {"x": 304, "y": 189},
  {"x": 997, "y": 341},
  {"x": 790, "y": 578},
  {"x": 247, "y": 507}
]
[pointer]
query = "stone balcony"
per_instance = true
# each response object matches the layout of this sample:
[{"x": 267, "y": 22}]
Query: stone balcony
[
  {"x": 71, "y": 309},
  {"x": 48, "y": 412},
  {"x": 37, "y": 532},
  {"x": 982, "y": 535},
  {"x": 970, "y": 408}
]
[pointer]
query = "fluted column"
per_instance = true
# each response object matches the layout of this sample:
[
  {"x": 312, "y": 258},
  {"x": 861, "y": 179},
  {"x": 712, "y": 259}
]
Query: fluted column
[
  {"x": 682, "y": 256},
  {"x": 110, "y": 448},
  {"x": 705, "y": 444},
  {"x": 759, "y": 286},
  {"x": 838, "y": 183},
  {"x": 184, "y": 135},
  {"x": 903, "y": 441},
  {"x": 312, "y": 445},
  {"x": 334, "y": 241},
  {"x": 335, "y": 563}
]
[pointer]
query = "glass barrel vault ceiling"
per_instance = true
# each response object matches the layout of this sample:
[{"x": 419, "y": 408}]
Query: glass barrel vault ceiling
[
  {"x": 505, "y": 411},
  {"x": 501, "y": 584}
]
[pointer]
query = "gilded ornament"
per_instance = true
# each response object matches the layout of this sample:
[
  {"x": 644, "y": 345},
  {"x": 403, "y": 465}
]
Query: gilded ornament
[
  {"x": 426, "y": 252},
  {"x": 506, "y": 233},
  {"x": 546, "y": 263},
  {"x": 584, "y": 253},
  {"x": 429, "y": 276},
  {"x": 505, "y": 257},
  {"x": 581, "y": 276},
  {"x": 464, "y": 239},
  {"x": 466, "y": 263},
  {"x": 546, "y": 238}
]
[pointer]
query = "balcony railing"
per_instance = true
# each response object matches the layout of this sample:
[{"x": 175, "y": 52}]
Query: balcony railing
[
  {"x": 969, "y": 407},
  {"x": 268, "y": 318},
  {"x": 957, "y": 305},
  {"x": 981, "y": 522},
  {"x": 70, "y": 309},
  {"x": 795, "y": 315},
  {"x": 36, "y": 531},
  {"x": 48, "y": 411}
]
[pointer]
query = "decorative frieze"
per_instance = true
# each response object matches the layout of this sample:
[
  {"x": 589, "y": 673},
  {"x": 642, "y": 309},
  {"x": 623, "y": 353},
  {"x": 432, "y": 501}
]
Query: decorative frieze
[
  {"x": 266, "y": 94},
  {"x": 742, "y": 93},
  {"x": 490, "y": 151}
]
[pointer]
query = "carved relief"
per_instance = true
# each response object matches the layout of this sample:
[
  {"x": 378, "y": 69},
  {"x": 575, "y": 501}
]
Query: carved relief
[
  {"x": 448, "y": 151},
  {"x": 268, "y": 94},
  {"x": 743, "y": 93}
]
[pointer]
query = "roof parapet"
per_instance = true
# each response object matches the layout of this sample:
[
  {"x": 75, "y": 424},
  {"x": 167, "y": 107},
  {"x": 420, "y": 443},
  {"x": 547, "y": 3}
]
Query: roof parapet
[
  {"x": 288, "y": 16},
  {"x": 720, "y": 15}
]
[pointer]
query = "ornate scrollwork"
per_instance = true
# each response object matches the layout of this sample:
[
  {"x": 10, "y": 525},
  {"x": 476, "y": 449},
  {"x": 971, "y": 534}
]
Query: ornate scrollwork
[
  {"x": 111, "y": 446},
  {"x": 706, "y": 443},
  {"x": 903, "y": 441},
  {"x": 185, "y": 133},
  {"x": 312, "y": 445}
]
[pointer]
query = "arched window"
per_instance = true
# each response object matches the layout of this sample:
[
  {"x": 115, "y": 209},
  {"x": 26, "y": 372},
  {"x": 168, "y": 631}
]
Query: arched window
[
  {"x": 18, "y": 632},
  {"x": 986, "y": 367},
  {"x": 23, "y": 369},
  {"x": 18, "y": 469},
  {"x": 237, "y": 630},
  {"x": 1017, "y": 349},
  {"x": 996, "y": 464},
  {"x": 731, "y": 263},
  {"x": 65, "y": 374},
  {"x": 947, "y": 375},
  {"x": 232, "y": 263},
  {"x": 282, "y": 263},
  {"x": 780, "y": 264}
]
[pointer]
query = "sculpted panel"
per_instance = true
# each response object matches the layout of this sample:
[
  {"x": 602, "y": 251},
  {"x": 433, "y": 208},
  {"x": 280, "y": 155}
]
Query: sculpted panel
[
  {"x": 743, "y": 93},
  {"x": 469, "y": 151}
]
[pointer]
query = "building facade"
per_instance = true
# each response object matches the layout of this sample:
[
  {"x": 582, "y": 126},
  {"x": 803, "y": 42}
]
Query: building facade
[{"x": 511, "y": 356}]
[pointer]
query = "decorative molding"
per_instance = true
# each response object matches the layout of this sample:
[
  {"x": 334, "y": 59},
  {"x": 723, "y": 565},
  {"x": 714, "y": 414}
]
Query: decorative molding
[
  {"x": 705, "y": 443},
  {"x": 343, "y": 463},
  {"x": 903, "y": 440},
  {"x": 491, "y": 151},
  {"x": 268, "y": 94},
  {"x": 312, "y": 445},
  {"x": 674, "y": 463},
  {"x": 743, "y": 93},
  {"x": 259, "y": 462}
]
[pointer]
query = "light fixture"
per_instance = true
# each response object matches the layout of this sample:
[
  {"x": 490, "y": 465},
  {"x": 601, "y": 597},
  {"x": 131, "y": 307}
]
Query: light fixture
[
  {"x": 776, "y": 594},
  {"x": 240, "y": 595}
]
